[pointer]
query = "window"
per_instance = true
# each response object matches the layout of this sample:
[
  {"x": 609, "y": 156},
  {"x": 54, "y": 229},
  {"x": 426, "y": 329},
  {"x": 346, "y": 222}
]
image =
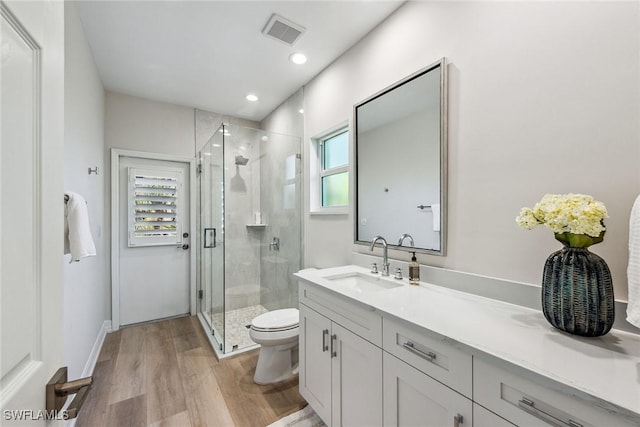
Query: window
[
  {"x": 330, "y": 176},
  {"x": 155, "y": 198}
]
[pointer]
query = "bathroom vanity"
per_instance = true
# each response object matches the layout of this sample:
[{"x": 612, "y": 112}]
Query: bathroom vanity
[{"x": 377, "y": 351}]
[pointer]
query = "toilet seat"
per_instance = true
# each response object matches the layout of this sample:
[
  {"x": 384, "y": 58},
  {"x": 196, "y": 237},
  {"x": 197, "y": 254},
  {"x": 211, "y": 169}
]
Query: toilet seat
[{"x": 276, "y": 321}]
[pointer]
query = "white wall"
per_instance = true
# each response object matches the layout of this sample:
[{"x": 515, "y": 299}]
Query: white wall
[
  {"x": 543, "y": 97},
  {"x": 86, "y": 283}
]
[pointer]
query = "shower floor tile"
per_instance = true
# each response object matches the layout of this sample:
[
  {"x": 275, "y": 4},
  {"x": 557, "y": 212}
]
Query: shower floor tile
[{"x": 237, "y": 333}]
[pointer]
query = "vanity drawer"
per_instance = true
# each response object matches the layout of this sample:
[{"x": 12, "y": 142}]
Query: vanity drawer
[
  {"x": 359, "y": 318},
  {"x": 527, "y": 403},
  {"x": 429, "y": 353}
]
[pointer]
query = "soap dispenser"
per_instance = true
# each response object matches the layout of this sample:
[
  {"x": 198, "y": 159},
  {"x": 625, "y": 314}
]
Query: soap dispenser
[{"x": 414, "y": 270}]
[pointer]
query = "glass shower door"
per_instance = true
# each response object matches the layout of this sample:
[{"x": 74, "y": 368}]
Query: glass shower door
[{"x": 211, "y": 290}]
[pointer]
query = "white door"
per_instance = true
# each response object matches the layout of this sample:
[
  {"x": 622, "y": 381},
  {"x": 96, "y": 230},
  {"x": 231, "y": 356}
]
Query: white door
[
  {"x": 356, "y": 393},
  {"x": 154, "y": 239},
  {"x": 31, "y": 205},
  {"x": 412, "y": 398},
  {"x": 315, "y": 361}
]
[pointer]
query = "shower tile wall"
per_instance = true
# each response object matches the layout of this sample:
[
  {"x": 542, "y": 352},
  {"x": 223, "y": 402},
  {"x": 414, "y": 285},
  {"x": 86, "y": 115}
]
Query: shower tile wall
[
  {"x": 280, "y": 174},
  {"x": 282, "y": 203},
  {"x": 242, "y": 200}
]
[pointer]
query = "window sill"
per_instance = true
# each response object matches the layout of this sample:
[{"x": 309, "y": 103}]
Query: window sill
[{"x": 338, "y": 210}]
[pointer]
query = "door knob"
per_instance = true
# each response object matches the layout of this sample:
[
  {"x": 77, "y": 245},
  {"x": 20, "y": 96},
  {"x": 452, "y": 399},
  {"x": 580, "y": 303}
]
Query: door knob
[{"x": 185, "y": 246}]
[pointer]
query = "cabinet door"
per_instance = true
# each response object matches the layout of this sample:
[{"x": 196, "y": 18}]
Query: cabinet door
[
  {"x": 412, "y": 398},
  {"x": 357, "y": 380},
  {"x": 485, "y": 418},
  {"x": 315, "y": 361}
]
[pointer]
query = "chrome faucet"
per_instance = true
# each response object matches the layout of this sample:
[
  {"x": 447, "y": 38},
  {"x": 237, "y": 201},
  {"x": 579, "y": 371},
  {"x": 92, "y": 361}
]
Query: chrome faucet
[
  {"x": 406, "y": 236},
  {"x": 385, "y": 258}
]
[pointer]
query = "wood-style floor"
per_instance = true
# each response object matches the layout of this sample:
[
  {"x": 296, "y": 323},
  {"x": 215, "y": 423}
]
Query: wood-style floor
[{"x": 166, "y": 374}]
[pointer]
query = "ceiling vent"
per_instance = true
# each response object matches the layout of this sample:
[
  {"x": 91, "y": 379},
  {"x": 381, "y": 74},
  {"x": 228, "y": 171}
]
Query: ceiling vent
[{"x": 283, "y": 30}]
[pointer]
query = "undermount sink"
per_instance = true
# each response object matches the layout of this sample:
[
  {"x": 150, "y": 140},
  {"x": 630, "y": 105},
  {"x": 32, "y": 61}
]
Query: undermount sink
[{"x": 360, "y": 282}]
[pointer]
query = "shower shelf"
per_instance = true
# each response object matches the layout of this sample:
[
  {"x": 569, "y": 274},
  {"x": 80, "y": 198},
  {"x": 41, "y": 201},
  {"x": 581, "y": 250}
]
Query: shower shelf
[{"x": 256, "y": 225}]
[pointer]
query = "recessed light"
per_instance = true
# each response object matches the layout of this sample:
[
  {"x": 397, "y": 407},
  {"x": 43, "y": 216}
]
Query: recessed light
[
  {"x": 216, "y": 145},
  {"x": 301, "y": 111},
  {"x": 251, "y": 97},
  {"x": 264, "y": 138},
  {"x": 298, "y": 58}
]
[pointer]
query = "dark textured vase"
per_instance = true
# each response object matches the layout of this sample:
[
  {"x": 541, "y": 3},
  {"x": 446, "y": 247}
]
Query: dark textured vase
[{"x": 577, "y": 292}]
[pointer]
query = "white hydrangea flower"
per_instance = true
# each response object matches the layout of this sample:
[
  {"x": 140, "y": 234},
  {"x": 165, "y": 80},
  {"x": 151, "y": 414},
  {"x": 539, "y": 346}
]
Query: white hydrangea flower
[
  {"x": 566, "y": 213},
  {"x": 527, "y": 220}
]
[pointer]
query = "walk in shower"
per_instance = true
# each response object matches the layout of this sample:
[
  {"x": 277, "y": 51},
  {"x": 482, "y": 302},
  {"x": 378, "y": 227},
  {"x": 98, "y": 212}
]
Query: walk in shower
[{"x": 250, "y": 230}]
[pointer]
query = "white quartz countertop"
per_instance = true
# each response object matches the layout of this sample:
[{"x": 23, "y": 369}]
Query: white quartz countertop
[{"x": 607, "y": 368}]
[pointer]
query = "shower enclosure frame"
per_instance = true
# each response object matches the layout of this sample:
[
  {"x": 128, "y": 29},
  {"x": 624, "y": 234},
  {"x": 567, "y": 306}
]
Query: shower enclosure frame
[{"x": 216, "y": 193}]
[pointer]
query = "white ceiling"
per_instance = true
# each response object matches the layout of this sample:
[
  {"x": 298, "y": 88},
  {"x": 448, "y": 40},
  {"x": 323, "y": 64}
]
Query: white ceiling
[{"x": 211, "y": 54}]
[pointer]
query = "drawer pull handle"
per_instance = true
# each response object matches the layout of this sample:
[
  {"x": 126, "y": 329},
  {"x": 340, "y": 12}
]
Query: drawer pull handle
[
  {"x": 333, "y": 350},
  {"x": 457, "y": 420},
  {"x": 529, "y": 406},
  {"x": 325, "y": 333},
  {"x": 411, "y": 347}
]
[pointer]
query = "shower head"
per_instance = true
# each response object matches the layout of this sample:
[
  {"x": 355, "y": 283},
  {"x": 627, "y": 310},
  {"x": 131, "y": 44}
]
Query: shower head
[{"x": 241, "y": 161}]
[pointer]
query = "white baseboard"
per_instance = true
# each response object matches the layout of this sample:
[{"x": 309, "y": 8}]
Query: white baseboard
[
  {"x": 91, "y": 361},
  {"x": 95, "y": 351}
]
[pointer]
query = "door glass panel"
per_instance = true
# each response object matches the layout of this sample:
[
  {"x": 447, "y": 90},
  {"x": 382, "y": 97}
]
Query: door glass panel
[{"x": 211, "y": 283}]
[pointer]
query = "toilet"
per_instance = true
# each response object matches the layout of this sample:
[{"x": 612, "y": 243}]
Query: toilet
[{"x": 277, "y": 333}]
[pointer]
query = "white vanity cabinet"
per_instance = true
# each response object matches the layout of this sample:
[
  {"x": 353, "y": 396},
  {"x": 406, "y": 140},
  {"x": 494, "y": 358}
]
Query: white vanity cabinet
[
  {"x": 340, "y": 371},
  {"x": 373, "y": 355}
]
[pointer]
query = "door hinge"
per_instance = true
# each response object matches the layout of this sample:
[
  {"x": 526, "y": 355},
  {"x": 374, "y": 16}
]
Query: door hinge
[
  {"x": 200, "y": 293},
  {"x": 199, "y": 168}
]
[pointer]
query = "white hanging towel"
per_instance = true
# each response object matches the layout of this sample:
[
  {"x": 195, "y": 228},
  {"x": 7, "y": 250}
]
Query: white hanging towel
[
  {"x": 77, "y": 232},
  {"x": 633, "y": 270},
  {"x": 435, "y": 209}
]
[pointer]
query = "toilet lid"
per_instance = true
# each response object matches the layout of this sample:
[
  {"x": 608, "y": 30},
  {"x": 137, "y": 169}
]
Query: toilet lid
[{"x": 277, "y": 319}]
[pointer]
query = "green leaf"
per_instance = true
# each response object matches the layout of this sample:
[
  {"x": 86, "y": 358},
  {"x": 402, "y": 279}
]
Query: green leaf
[{"x": 578, "y": 240}]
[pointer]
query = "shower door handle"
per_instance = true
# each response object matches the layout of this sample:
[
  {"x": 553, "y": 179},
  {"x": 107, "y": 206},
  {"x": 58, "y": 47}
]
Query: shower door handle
[{"x": 210, "y": 233}]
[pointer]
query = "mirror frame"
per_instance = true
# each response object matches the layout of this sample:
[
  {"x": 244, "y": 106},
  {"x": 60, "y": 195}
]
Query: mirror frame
[{"x": 442, "y": 64}]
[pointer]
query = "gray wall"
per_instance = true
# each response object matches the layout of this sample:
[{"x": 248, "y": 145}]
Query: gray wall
[
  {"x": 139, "y": 124},
  {"x": 87, "y": 290},
  {"x": 543, "y": 98}
]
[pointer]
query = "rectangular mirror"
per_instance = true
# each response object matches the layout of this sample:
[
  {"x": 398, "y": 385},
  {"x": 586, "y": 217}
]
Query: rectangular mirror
[{"x": 401, "y": 162}]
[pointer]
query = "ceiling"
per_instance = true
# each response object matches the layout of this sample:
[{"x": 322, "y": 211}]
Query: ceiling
[{"x": 211, "y": 54}]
